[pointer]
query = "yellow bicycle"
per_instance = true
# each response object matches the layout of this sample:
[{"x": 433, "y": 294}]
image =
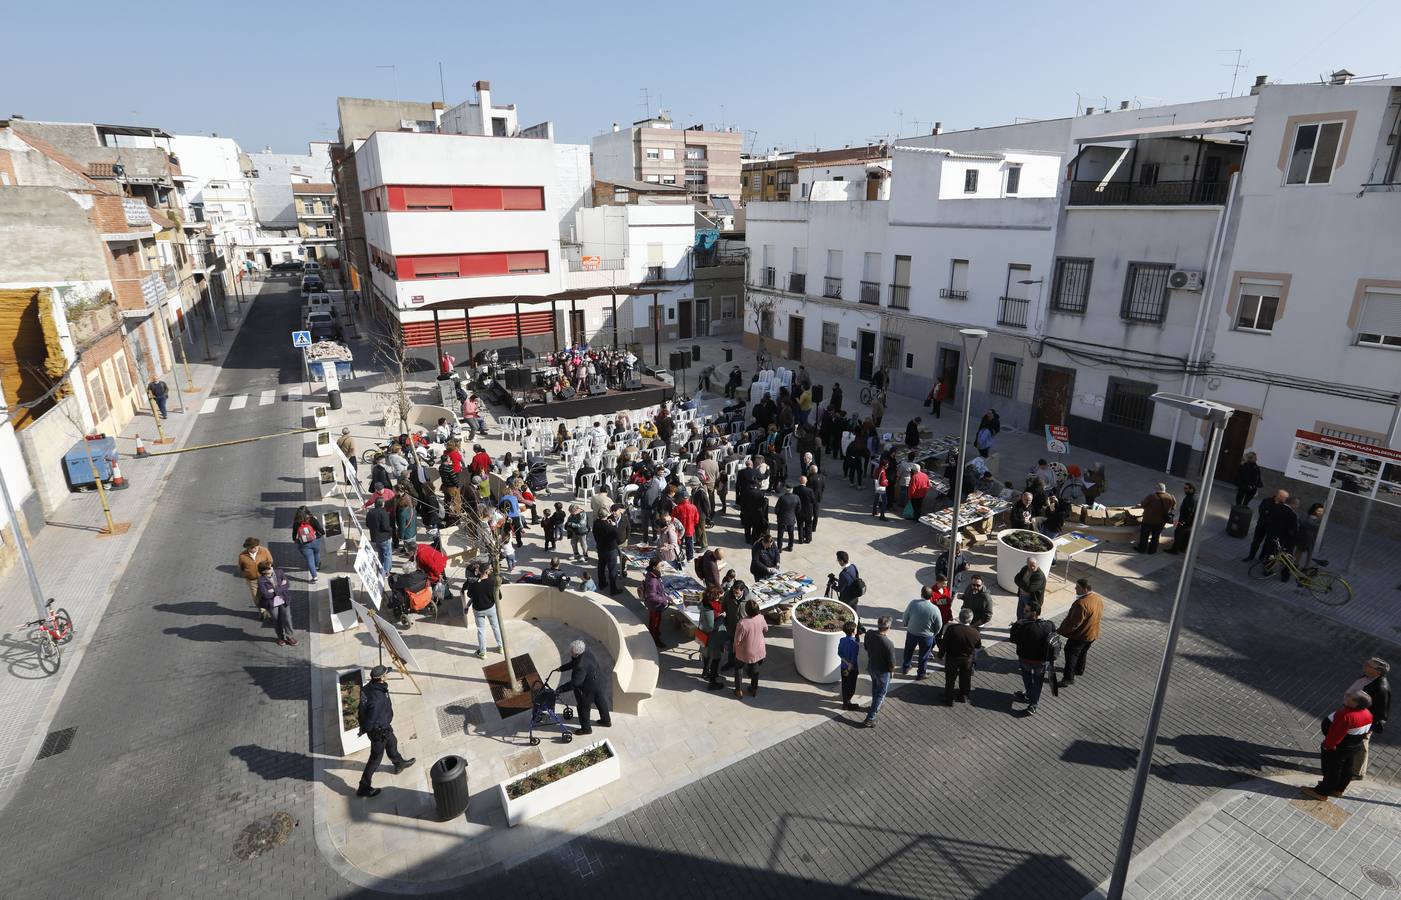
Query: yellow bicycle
[{"x": 1327, "y": 588}]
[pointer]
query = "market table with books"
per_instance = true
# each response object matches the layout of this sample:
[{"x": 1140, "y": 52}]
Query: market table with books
[
  {"x": 782, "y": 590},
  {"x": 978, "y": 508}
]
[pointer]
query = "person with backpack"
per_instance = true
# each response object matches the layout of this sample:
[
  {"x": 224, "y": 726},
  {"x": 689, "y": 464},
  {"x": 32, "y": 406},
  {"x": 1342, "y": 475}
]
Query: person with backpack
[
  {"x": 576, "y": 527},
  {"x": 850, "y": 587},
  {"x": 307, "y": 534},
  {"x": 450, "y": 478},
  {"x": 275, "y": 597},
  {"x": 1035, "y": 639}
]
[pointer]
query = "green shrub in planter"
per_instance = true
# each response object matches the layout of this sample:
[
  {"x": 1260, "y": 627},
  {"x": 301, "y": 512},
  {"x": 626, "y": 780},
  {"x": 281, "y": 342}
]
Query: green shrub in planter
[
  {"x": 1028, "y": 541},
  {"x": 823, "y": 615}
]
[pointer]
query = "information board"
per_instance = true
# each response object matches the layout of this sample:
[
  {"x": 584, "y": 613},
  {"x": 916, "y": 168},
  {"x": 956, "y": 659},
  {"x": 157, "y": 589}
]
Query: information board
[{"x": 1362, "y": 469}]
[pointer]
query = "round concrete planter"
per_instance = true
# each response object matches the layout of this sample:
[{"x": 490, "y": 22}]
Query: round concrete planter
[
  {"x": 1010, "y": 560},
  {"x": 815, "y": 652}
]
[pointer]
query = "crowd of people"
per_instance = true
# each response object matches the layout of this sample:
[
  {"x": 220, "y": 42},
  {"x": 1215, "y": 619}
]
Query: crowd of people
[{"x": 578, "y": 370}]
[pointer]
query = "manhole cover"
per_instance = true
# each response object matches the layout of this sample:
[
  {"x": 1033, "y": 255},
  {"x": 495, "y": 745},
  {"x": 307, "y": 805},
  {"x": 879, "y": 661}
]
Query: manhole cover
[
  {"x": 264, "y": 835},
  {"x": 1381, "y": 877},
  {"x": 457, "y": 717}
]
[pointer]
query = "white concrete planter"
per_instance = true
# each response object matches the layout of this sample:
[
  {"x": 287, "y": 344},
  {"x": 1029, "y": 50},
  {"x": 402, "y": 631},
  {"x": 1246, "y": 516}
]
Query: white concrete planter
[
  {"x": 815, "y": 652},
  {"x": 351, "y": 740},
  {"x": 1010, "y": 560},
  {"x": 320, "y": 418},
  {"x": 570, "y": 787},
  {"x": 323, "y": 443}
]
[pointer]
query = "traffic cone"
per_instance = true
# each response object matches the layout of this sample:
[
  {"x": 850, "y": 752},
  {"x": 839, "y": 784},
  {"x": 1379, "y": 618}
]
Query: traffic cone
[
  {"x": 118, "y": 482},
  {"x": 140, "y": 448}
]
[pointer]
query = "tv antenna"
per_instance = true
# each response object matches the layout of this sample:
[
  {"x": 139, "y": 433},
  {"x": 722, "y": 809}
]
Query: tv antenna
[{"x": 1235, "y": 67}]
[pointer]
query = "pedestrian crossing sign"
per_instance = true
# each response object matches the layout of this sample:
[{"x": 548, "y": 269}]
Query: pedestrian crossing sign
[{"x": 301, "y": 339}]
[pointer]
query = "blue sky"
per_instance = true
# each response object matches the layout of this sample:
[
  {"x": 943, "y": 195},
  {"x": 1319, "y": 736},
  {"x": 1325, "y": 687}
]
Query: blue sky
[{"x": 790, "y": 75}]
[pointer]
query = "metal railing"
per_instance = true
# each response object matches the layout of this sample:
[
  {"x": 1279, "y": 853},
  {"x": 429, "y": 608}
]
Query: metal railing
[
  {"x": 797, "y": 283},
  {"x": 832, "y": 287},
  {"x": 900, "y": 296},
  {"x": 768, "y": 276},
  {"x": 1013, "y": 311},
  {"x": 597, "y": 264},
  {"x": 870, "y": 292},
  {"x": 951, "y": 294},
  {"x": 1164, "y": 193},
  {"x": 656, "y": 273}
]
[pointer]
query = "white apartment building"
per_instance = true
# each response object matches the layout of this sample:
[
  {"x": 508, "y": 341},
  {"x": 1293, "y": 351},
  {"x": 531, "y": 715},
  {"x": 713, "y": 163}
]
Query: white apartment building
[
  {"x": 219, "y": 191},
  {"x": 850, "y": 284},
  {"x": 1305, "y": 330}
]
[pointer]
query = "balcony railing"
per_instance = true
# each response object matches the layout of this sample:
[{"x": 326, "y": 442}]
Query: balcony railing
[
  {"x": 656, "y": 273},
  {"x": 597, "y": 264},
  {"x": 1012, "y": 311},
  {"x": 797, "y": 283},
  {"x": 870, "y": 292},
  {"x": 1164, "y": 193},
  {"x": 900, "y": 296},
  {"x": 768, "y": 276},
  {"x": 832, "y": 287},
  {"x": 951, "y": 294}
]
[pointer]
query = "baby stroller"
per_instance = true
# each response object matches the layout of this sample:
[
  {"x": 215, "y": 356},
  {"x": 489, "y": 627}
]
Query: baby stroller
[
  {"x": 539, "y": 476},
  {"x": 542, "y": 711}
]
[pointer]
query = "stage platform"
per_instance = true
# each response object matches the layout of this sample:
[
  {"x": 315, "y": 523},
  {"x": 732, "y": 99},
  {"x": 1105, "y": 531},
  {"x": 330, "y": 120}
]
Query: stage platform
[{"x": 653, "y": 392}]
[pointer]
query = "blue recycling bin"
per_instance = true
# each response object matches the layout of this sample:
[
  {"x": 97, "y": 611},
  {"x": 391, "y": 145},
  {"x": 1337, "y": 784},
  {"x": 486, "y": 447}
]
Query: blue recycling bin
[{"x": 75, "y": 462}]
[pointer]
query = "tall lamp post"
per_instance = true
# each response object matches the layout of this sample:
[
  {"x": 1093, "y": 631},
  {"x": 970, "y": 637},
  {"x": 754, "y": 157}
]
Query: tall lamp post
[
  {"x": 1216, "y": 415},
  {"x": 975, "y": 335}
]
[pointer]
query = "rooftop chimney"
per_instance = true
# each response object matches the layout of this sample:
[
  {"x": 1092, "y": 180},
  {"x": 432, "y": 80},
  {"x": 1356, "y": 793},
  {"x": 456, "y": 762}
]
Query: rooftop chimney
[
  {"x": 1259, "y": 83},
  {"x": 615, "y": 126},
  {"x": 1123, "y": 104},
  {"x": 484, "y": 104},
  {"x": 938, "y": 128},
  {"x": 1342, "y": 76},
  {"x": 483, "y": 86}
]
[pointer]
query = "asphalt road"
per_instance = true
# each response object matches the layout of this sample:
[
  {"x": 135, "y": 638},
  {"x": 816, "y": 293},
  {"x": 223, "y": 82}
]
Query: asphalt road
[{"x": 192, "y": 726}]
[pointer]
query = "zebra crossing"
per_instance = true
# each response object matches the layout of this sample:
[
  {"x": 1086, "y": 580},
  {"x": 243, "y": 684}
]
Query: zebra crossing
[{"x": 236, "y": 402}]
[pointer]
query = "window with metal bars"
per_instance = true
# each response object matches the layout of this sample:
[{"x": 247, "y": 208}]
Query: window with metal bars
[
  {"x": 1003, "y": 381},
  {"x": 1070, "y": 289},
  {"x": 1146, "y": 292},
  {"x": 1129, "y": 404}
]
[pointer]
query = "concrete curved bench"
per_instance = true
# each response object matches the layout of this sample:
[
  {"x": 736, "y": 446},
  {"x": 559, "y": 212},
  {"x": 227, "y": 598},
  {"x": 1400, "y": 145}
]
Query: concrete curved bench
[
  {"x": 426, "y": 416},
  {"x": 635, "y": 664}
]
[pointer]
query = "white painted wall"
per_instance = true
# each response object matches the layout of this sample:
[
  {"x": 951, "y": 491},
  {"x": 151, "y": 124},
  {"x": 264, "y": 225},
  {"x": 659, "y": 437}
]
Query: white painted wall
[{"x": 613, "y": 156}]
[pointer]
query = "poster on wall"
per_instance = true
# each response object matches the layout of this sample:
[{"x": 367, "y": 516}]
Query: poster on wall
[
  {"x": 1362, "y": 469},
  {"x": 1058, "y": 438}
]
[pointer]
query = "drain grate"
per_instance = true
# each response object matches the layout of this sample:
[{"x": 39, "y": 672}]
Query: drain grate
[
  {"x": 1381, "y": 877},
  {"x": 456, "y": 717},
  {"x": 57, "y": 742}
]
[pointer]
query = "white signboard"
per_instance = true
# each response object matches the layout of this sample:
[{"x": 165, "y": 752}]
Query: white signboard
[
  {"x": 370, "y": 572},
  {"x": 390, "y": 634},
  {"x": 329, "y": 374},
  {"x": 1362, "y": 469}
]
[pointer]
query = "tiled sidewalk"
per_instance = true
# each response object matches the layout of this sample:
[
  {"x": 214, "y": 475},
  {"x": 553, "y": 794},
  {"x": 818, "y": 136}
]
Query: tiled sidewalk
[
  {"x": 80, "y": 569},
  {"x": 1264, "y": 839}
]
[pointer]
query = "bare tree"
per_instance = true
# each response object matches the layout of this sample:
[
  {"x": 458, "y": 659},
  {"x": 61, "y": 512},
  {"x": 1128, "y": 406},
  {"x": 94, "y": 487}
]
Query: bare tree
[
  {"x": 391, "y": 352},
  {"x": 761, "y": 309}
]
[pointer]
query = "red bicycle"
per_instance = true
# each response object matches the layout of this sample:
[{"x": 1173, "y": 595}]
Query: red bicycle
[{"x": 50, "y": 634}]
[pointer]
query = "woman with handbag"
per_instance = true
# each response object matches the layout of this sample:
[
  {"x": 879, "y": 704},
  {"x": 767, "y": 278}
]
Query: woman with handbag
[
  {"x": 275, "y": 595},
  {"x": 712, "y": 633}
]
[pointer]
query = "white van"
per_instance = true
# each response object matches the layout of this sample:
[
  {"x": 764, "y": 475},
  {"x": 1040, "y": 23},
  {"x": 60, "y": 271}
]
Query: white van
[{"x": 311, "y": 268}]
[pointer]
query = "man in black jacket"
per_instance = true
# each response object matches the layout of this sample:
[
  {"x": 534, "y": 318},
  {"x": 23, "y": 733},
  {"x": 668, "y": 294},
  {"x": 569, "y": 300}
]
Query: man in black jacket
[
  {"x": 764, "y": 557},
  {"x": 587, "y": 683},
  {"x": 959, "y": 642},
  {"x": 880, "y": 663},
  {"x": 380, "y": 525},
  {"x": 605, "y": 541},
  {"x": 807, "y": 509},
  {"x": 1374, "y": 684},
  {"x": 1032, "y": 637},
  {"x": 818, "y": 482},
  {"x": 786, "y": 509},
  {"x": 376, "y": 715},
  {"x": 1265, "y": 526},
  {"x": 1186, "y": 514}
]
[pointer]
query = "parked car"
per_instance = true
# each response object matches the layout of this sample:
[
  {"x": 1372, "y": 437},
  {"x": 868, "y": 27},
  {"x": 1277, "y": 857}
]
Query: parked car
[
  {"x": 312, "y": 284},
  {"x": 311, "y": 267},
  {"x": 286, "y": 267}
]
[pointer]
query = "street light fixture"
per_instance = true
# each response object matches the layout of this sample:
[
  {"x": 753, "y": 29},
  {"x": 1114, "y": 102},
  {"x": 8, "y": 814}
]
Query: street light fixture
[
  {"x": 975, "y": 335},
  {"x": 1216, "y": 415}
]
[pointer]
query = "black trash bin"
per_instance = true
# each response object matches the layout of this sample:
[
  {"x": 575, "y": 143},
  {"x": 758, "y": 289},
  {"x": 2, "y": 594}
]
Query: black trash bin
[
  {"x": 1238, "y": 524},
  {"x": 333, "y": 399},
  {"x": 695, "y": 353},
  {"x": 729, "y": 354},
  {"x": 449, "y": 778}
]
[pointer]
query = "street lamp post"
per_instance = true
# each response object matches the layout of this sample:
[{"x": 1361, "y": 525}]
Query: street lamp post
[
  {"x": 976, "y": 335},
  {"x": 1216, "y": 415}
]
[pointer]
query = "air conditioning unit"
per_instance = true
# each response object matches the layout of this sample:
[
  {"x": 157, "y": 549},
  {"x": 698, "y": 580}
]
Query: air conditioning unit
[{"x": 1185, "y": 280}]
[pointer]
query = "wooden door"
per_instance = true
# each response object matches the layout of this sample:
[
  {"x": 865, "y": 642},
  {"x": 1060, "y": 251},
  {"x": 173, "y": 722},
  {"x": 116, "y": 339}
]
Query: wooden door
[
  {"x": 795, "y": 338},
  {"x": 683, "y": 319},
  {"x": 1051, "y": 404},
  {"x": 950, "y": 368},
  {"x": 1233, "y": 445}
]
